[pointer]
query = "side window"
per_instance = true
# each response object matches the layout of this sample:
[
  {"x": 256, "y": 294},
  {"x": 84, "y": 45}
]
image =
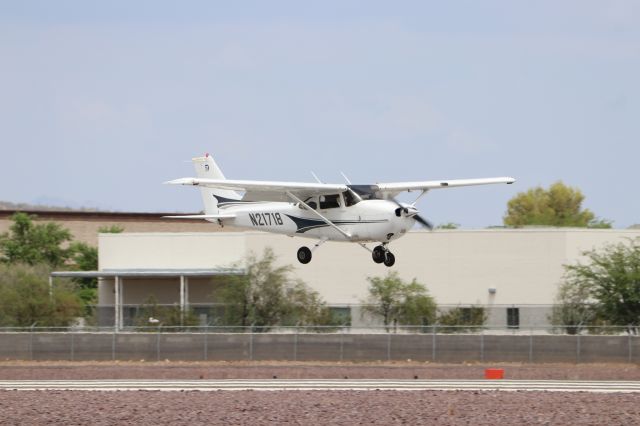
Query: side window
[
  {"x": 311, "y": 202},
  {"x": 329, "y": 201}
]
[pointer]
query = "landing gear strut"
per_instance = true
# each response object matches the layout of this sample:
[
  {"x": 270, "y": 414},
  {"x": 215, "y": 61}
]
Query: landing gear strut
[
  {"x": 304, "y": 255},
  {"x": 381, "y": 254}
]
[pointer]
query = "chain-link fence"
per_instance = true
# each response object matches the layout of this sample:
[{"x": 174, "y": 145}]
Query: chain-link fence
[{"x": 417, "y": 343}]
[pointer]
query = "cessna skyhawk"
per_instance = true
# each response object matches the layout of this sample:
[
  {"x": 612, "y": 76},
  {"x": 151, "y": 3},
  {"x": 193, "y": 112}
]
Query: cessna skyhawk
[{"x": 337, "y": 212}]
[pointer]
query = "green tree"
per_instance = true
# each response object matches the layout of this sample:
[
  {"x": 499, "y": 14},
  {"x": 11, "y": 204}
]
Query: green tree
[
  {"x": 85, "y": 258},
  {"x": 574, "y": 308},
  {"x": 34, "y": 243},
  {"x": 448, "y": 225},
  {"x": 560, "y": 205},
  {"x": 111, "y": 229},
  {"x": 268, "y": 296},
  {"x": 462, "y": 319},
  {"x": 25, "y": 298},
  {"x": 611, "y": 278},
  {"x": 399, "y": 302}
]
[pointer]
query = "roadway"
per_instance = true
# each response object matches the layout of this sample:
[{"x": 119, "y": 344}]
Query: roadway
[{"x": 326, "y": 384}]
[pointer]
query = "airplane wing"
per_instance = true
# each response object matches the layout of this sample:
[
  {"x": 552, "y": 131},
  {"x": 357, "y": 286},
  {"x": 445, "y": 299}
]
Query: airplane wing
[
  {"x": 202, "y": 216},
  {"x": 264, "y": 190},
  {"x": 398, "y": 187}
]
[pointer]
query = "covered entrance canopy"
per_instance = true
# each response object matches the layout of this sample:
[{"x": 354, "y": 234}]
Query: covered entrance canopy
[{"x": 119, "y": 274}]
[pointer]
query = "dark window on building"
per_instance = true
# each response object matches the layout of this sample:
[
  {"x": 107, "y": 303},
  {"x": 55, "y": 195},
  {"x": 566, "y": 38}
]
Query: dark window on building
[
  {"x": 341, "y": 315},
  {"x": 465, "y": 315},
  {"x": 513, "y": 317}
]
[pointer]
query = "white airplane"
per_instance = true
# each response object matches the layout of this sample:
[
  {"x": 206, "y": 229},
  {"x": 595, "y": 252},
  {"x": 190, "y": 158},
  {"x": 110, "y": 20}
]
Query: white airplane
[{"x": 322, "y": 211}]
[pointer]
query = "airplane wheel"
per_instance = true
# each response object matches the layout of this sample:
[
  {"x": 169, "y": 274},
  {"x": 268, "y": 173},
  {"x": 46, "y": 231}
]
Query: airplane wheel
[
  {"x": 378, "y": 254},
  {"x": 304, "y": 255},
  {"x": 389, "y": 260}
]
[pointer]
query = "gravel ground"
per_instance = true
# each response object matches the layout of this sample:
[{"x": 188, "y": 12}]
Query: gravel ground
[
  {"x": 317, "y": 407},
  {"x": 314, "y": 407}
]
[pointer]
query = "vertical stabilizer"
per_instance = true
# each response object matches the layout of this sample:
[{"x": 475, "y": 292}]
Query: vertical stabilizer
[{"x": 206, "y": 168}]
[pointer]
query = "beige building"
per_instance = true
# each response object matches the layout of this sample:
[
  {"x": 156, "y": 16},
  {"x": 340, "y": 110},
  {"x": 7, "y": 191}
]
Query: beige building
[
  {"x": 84, "y": 225},
  {"x": 512, "y": 272}
]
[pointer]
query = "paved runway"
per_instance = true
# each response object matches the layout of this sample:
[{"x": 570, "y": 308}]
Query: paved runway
[{"x": 301, "y": 384}]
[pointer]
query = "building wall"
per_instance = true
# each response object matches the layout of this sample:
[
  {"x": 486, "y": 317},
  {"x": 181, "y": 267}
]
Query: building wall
[
  {"x": 524, "y": 266},
  {"x": 84, "y": 226}
]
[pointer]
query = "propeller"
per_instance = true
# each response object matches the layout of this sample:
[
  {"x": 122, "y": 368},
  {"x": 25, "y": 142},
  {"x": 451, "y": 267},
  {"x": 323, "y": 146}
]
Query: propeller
[{"x": 421, "y": 220}]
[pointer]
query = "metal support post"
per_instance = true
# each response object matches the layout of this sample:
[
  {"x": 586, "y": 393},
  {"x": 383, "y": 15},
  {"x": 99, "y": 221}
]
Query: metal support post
[
  {"x": 181, "y": 299},
  {"x": 116, "y": 304},
  {"x": 206, "y": 334},
  {"x": 50, "y": 287},
  {"x": 531, "y": 344},
  {"x": 433, "y": 343}
]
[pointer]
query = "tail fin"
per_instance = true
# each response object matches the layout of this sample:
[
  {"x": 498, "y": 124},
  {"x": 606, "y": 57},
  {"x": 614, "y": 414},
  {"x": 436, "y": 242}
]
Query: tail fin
[{"x": 208, "y": 169}]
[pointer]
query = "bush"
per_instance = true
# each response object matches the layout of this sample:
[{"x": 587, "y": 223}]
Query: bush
[{"x": 25, "y": 298}]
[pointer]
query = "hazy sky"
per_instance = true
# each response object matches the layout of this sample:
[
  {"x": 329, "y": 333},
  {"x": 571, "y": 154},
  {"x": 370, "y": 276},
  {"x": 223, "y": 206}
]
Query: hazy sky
[{"x": 100, "y": 102}]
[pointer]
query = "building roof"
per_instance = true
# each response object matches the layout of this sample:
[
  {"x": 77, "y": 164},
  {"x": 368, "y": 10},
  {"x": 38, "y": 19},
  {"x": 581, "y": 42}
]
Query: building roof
[{"x": 142, "y": 273}]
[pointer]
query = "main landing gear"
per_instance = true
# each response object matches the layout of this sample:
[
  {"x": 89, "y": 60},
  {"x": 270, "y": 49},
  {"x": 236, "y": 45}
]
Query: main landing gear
[
  {"x": 381, "y": 254},
  {"x": 304, "y": 255}
]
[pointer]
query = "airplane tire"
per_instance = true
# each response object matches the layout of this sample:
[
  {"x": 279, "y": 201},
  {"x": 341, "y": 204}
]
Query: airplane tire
[
  {"x": 378, "y": 254},
  {"x": 304, "y": 255},
  {"x": 389, "y": 259}
]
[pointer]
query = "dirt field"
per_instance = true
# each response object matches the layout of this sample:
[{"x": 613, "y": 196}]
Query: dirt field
[{"x": 314, "y": 407}]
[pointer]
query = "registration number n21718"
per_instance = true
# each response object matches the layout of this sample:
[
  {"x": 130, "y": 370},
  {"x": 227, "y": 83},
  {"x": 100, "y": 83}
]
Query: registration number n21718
[{"x": 265, "y": 219}]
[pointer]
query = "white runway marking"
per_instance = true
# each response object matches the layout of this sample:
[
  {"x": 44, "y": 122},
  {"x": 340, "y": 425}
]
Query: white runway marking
[{"x": 333, "y": 384}]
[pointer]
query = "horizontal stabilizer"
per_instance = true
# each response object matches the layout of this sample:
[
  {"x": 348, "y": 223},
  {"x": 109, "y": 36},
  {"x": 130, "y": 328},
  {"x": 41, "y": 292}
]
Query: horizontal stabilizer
[{"x": 202, "y": 216}]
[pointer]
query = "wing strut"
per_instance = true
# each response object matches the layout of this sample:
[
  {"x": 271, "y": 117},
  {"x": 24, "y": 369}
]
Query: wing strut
[{"x": 328, "y": 222}]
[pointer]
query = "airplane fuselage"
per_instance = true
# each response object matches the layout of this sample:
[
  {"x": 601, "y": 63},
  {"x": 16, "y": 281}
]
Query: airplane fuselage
[{"x": 366, "y": 221}]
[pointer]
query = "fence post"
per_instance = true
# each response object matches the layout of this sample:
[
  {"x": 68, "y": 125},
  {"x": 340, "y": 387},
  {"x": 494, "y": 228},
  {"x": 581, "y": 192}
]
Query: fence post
[
  {"x": 31, "y": 341},
  {"x": 158, "y": 343},
  {"x": 434, "y": 332},
  {"x": 531, "y": 344},
  {"x": 72, "y": 346},
  {"x": 578, "y": 348},
  {"x": 113, "y": 346},
  {"x": 206, "y": 334}
]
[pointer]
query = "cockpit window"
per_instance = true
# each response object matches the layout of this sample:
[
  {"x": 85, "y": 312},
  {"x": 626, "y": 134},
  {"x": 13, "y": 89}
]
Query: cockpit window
[
  {"x": 329, "y": 201},
  {"x": 349, "y": 199}
]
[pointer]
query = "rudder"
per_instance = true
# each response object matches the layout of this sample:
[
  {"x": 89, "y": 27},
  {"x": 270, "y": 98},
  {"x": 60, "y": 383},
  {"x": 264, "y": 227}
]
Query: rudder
[{"x": 206, "y": 168}]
